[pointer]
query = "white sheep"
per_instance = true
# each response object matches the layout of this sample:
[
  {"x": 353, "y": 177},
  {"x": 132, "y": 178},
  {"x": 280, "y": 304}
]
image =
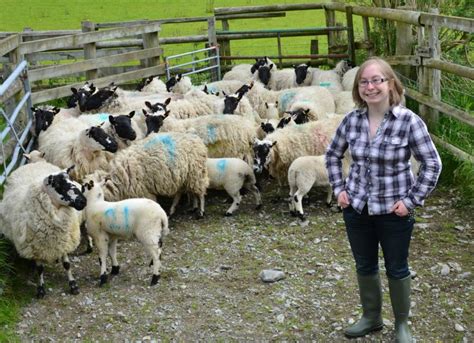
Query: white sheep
[
  {"x": 348, "y": 79},
  {"x": 107, "y": 221},
  {"x": 318, "y": 101},
  {"x": 164, "y": 164},
  {"x": 87, "y": 149},
  {"x": 152, "y": 84},
  {"x": 304, "y": 173},
  {"x": 39, "y": 214},
  {"x": 224, "y": 135},
  {"x": 226, "y": 86},
  {"x": 34, "y": 156},
  {"x": 282, "y": 79},
  {"x": 179, "y": 84},
  {"x": 232, "y": 174},
  {"x": 280, "y": 148},
  {"x": 245, "y": 72},
  {"x": 344, "y": 102}
]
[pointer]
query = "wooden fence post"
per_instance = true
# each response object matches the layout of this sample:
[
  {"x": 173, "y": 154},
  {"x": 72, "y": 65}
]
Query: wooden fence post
[
  {"x": 90, "y": 51},
  {"x": 366, "y": 26},
  {"x": 225, "y": 44},
  {"x": 404, "y": 44},
  {"x": 314, "y": 50},
  {"x": 330, "y": 22},
  {"x": 350, "y": 35},
  {"x": 150, "y": 40},
  {"x": 212, "y": 41}
]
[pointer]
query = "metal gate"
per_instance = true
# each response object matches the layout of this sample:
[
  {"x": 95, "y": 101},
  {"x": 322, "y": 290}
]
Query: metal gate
[
  {"x": 16, "y": 127},
  {"x": 211, "y": 63}
]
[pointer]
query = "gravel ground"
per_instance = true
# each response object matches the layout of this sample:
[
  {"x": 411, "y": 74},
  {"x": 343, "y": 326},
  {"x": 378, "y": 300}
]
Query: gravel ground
[{"x": 210, "y": 288}]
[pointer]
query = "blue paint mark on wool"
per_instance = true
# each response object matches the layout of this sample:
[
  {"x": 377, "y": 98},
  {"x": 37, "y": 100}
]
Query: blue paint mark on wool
[
  {"x": 285, "y": 99},
  {"x": 126, "y": 216},
  {"x": 221, "y": 165},
  {"x": 114, "y": 223},
  {"x": 168, "y": 143},
  {"x": 211, "y": 134},
  {"x": 212, "y": 89},
  {"x": 99, "y": 118},
  {"x": 112, "y": 215}
]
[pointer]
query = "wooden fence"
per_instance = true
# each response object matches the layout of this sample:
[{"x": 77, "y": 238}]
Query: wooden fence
[{"x": 102, "y": 46}]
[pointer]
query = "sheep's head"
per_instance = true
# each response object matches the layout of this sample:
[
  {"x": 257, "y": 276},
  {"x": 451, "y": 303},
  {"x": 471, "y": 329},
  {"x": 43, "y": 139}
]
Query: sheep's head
[
  {"x": 301, "y": 72},
  {"x": 267, "y": 127},
  {"x": 63, "y": 191},
  {"x": 122, "y": 125},
  {"x": 261, "y": 149},
  {"x": 231, "y": 102},
  {"x": 264, "y": 73},
  {"x": 144, "y": 82},
  {"x": 96, "y": 139},
  {"x": 172, "y": 81},
  {"x": 43, "y": 117},
  {"x": 34, "y": 156},
  {"x": 300, "y": 116}
]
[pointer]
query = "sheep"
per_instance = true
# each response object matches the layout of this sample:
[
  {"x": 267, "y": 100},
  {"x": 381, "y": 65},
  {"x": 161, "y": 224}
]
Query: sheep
[
  {"x": 348, "y": 79},
  {"x": 238, "y": 105},
  {"x": 316, "y": 101},
  {"x": 226, "y": 86},
  {"x": 63, "y": 146},
  {"x": 271, "y": 111},
  {"x": 276, "y": 152},
  {"x": 224, "y": 135},
  {"x": 163, "y": 164},
  {"x": 304, "y": 173},
  {"x": 39, "y": 214},
  {"x": 282, "y": 79},
  {"x": 303, "y": 74},
  {"x": 231, "y": 174},
  {"x": 34, "y": 156},
  {"x": 151, "y": 84},
  {"x": 179, "y": 84},
  {"x": 331, "y": 79},
  {"x": 245, "y": 72},
  {"x": 271, "y": 125},
  {"x": 108, "y": 221},
  {"x": 344, "y": 102}
]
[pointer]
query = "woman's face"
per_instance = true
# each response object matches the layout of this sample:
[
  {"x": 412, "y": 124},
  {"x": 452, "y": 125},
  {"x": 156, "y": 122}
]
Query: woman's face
[{"x": 374, "y": 87}]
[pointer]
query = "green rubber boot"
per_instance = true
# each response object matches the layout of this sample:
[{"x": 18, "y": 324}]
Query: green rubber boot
[
  {"x": 400, "y": 297},
  {"x": 370, "y": 292}
]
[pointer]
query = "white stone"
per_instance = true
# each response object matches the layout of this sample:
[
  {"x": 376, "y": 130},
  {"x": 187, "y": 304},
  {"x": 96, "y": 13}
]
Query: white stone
[
  {"x": 459, "y": 327},
  {"x": 281, "y": 318},
  {"x": 445, "y": 269}
]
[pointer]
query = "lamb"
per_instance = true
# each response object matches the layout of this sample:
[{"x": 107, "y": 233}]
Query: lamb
[
  {"x": 39, "y": 214},
  {"x": 224, "y": 135},
  {"x": 63, "y": 146},
  {"x": 231, "y": 174},
  {"x": 165, "y": 164},
  {"x": 226, "y": 86},
  {"x": 304, "y": 173},
  {"x": 279, "y": 149},
  {"x": 108, "y": 221}
]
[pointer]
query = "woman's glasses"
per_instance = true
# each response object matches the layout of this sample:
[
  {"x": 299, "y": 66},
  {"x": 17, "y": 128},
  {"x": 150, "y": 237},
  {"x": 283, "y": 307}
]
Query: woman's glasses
[{"x": 375, "y": 81}]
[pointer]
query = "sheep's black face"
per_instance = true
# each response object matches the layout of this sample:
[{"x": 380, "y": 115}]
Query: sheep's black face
[
  {"x": 299, "y": 116},
  {"x": 122, "y": 124},
  {"x": 171, "y": 83},
  {"x": 259, "y": 63},
  {"x": 158, "y": 108},
  {"x": 267, "y": 127},
  {"x": 264, "y": 74},
  {"x": 63, "y": 191},
  {"x": 301, "y": 71},
  {"x": 153, "y": 123},
  {"x": 98, "y": 135},
  {"x": 243, "y": 90},
  {"x": 261, "y": 150},
  {"x": 144, "y": 82},
  {"x": 96, "y": 100},
  {"x": 230, "y": 103},
  {"x": 283, "y": 122},
  {"x": 43, "y": 118}
]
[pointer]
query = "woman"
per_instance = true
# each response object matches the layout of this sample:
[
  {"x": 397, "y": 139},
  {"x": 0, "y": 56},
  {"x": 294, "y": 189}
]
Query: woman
[{"x": 380, "y": 193}]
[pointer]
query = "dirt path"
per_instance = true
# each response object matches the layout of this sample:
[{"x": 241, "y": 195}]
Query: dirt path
[{"x": 210, "y": 287}]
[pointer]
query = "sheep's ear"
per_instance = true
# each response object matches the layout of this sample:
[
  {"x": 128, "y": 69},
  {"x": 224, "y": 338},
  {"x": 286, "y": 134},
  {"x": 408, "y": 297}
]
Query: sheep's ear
[
  {"x": 271, "y": 66},
  {"x": 266, "y": 105},
  {"x": 179, "y": 77},
  {"x": 167, "y": 101},
  {"x": 224, "y": 93},
  {"x": 27, "y": 156},
  {"x": 217, "y": 94},
  {"x": 148, "y": 104},
  {"x": 68, "y": 170},
  {"x": 276, "y": 103},
  {"x": 205, "y": 89},
  {"x": 167, "y": 113},
  {"x": 111, "y": 120},
  {"x": 56, "y": 110},
  {"x": 74, "y": 90},
  {"x": 306, "y": 111},
  {"x": 144, "y": 112},
  {"x": 273, "y": 144},
  {"x": 131, "y": 114}
]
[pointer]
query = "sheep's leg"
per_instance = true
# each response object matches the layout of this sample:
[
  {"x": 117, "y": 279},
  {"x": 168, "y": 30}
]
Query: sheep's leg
[
  {"x": 40, "y": 291},
  {"x": 85, "y": 237},
  {"x": 258, "y": 197},
  {"x": 200, "y": 212},
  {"x": 73, "y": 288},
  {"x": 298, "y": 199},
  {"x": 291, "y": 201},
  {"x": 175, "y": 203},
  {"x": 237, "y": 198},
  {"x": 329, "y": 196},
  {"x": 101, "y": 240},
  {"x": 113, "y": 256},
  {"x": 152, "y": 246}
]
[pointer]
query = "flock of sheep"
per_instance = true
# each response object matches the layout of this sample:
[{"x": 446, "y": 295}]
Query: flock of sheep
[{"x": 104, "y": 161}]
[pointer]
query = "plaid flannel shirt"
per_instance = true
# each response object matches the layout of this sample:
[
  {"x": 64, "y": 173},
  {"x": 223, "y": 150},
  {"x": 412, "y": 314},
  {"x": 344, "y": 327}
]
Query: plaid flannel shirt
[{"x": 380, "y": 172}]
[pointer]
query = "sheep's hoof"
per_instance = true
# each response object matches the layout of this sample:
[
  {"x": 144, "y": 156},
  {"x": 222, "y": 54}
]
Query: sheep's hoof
[
  {"x": 115, "y": 270},
  {"x": 199, "y": 215},
  {"x": 329, "y": 204},
  {"x": 302, "y": 216},
  {"x": 228, "y": 214},
  {"x": 293, "y": 213},
  {"x": 103, "y": 280},
  {"x": 154, "y": 279},
  {"x": 40, "y": 292},
  {"x": 259, "y": 207},
  {"x": 73, "y": 288},
  {"x": 193, "y": 210}
]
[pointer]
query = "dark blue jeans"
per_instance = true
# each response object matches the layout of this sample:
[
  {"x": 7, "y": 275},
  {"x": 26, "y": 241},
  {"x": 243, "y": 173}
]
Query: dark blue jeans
[{"x": 391, "y": 231}]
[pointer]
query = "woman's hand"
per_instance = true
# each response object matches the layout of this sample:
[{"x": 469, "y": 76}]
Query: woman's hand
[
  {"x": 343, "y": 200},
  {"x": 400, "y": 209}
]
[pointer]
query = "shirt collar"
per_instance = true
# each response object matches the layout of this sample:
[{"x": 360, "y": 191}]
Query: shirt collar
[{"x": 394, "y": 110}]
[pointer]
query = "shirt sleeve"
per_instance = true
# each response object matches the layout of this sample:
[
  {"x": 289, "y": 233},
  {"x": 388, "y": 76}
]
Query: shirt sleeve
[
  {"x": 334, "y": 155},
  {"x": 426, "y": 154}
]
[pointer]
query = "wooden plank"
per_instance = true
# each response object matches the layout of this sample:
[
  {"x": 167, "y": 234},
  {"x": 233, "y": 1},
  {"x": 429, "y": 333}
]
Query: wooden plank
[
  {"x": 449, "y": 67},
  {"x": 450, "y": 22},
  {"x": 314, "y": 30},
  {"x": 452, "y": 149},
  {"x": 63, "y": 91},
  {"x": 9, "y": 44},
  {"x": 404, "y": 60},
  {"x": 154, "y": 21},
  {"x": 78, "y": 40},
  {"x": 89, "y": 49},
  {"x": 251, "y": 16},
  {"x": 440, "y": 106},
  {"x": 150, "y": 40},
  {"x": 61, "y": 70},
  {"x": 366, "y": 26},
  {"x": 253, "y": 57},
  {"x": 76, "y": 55},
  {"x": 268, "y": 8},
  {"x": 350, "y": 35}
]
